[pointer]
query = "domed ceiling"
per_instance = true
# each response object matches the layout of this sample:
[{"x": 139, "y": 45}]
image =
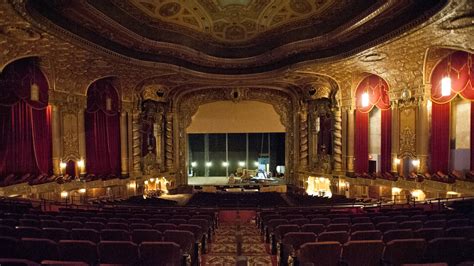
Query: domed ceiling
[{"x": 231, "y": 36}]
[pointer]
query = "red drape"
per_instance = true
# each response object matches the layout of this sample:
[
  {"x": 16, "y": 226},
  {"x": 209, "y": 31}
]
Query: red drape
[
  {"x": 472, "y": 136},
  {"x": 440, "y": 115},
  {"x": 386, "y": 141},
  {"x": 25, "y": 124},
  {"x": 361, "y": 143},
  {"x": 102, "y": 126}
]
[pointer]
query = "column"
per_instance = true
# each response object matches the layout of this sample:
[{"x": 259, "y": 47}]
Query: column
[
  {"x": 337, "y": 139},
  {"x": 422, "y": 133},
  {"x": 137, "y": 150},
  {"x": 303, "y": 160},
  {"x": 169, "y": 143},
  {"x": 123, "y": 143},
  {"x": 56, "y": 136},
  {"x": 395, "y": 136},
  {"x": 82, "y": 139},
  {"x": 350, "y": 141}
]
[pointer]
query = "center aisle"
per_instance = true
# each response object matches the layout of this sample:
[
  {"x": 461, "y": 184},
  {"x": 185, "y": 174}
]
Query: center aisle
[{"x": 238, "y": 229}]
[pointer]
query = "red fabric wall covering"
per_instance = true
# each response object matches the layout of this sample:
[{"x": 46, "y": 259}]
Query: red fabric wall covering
[
  {"x": 102, "y": 127},
  {"x": 440, "y": 116},
  {"x": 361, "y": 144},
  {"x": 386, "y": 141},
  {"x": 25, "y": 125}
]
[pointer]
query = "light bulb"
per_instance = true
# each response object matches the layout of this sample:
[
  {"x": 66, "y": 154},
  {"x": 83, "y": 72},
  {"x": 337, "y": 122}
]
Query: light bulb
[
  {"x": 446, "y": 86},
  {"x": 365, "y": 99}
]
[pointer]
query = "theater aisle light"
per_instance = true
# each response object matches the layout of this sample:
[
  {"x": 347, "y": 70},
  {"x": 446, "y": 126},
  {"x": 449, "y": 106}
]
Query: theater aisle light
[
  {"x": 365, "y": 99},
  {"x": 208, "y": 164},
  {"x": 225, "y": 164},
  {"x": 446, "y": 86}
]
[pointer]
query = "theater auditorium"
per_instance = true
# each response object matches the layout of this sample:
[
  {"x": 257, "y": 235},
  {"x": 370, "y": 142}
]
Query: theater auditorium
[{"x": 237, "y": 132}]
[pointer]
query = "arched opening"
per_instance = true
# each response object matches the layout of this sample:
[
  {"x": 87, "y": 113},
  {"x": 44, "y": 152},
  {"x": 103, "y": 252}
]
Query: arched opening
[
  {"x": 373, "y": 126},
  {"x": 25, "y": 122},
  {"x": 452, "y": 93},
  {"x": 235, "y": 142},
  {"x": 102, "y": 126}
]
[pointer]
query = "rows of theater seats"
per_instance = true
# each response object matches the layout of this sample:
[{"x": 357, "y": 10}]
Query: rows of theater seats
[
  {"x": 267, "y": 199},
  {"x": 391, "y": 238},
  {"x": 33, "y": 179},
  {"x": 150, "y": 236}
]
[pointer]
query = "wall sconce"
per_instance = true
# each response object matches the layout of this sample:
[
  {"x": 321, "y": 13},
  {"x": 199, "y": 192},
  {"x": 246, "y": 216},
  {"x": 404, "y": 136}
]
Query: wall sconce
[
  {"x": 62, "y": 167},
  {"x": 396, "y": 190},
  {"x": 146, "y": 182},
  {"x": 396, "y": 161},
  {"x": 131, "y": 185},
  {"x": 152, "y": 180},
  {"x": 64, "y": 194},
  {"x": 365, "y": 99},
  {"x": 415, "y": 163},
  {"x": 446, "y": 86},
  {"x": 82, "y": 190},
  {"x": 81, "y": 164}
]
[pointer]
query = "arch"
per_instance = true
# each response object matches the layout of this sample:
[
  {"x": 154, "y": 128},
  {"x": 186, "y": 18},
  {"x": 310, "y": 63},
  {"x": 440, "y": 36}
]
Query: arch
[
  {"x": 111, "y": 78},
  {"x": 102, "y": 126},
  {"x": 375, "y": 89},
  {"x": 25, "y": 119},
  {"x": 458, "y": 67},
  {"x": 283, "y": 103}
]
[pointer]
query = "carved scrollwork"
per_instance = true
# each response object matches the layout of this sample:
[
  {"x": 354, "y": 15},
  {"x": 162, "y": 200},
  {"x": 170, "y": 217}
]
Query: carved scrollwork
[{"x": 407, "y": 143}]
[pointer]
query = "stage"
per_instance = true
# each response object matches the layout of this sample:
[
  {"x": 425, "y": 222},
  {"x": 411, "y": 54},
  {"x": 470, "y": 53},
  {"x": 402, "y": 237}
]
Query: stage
[{"x": 224, "y": 181}]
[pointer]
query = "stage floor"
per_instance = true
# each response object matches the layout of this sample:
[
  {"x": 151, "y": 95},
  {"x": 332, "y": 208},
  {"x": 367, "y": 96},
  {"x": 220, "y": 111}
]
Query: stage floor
[{"x": 222, "y": 180}]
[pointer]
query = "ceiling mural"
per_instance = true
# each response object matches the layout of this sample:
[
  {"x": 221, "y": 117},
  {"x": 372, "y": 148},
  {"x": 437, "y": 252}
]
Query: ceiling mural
[
  {"x": 231, "y": 36},
  {"x": 234, "y": 21}
]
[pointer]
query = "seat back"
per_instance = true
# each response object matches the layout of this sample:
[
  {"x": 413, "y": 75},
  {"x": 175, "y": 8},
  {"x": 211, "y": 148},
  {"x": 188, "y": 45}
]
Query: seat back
[
  {"x": 362, "y": 252},
  {"x": 162, "y": 227},
  {"x": 435, "y": 224},
  {"x": 9, "y": 247},
  {"x": 362, "y": 227},
  {"x": 366, "y": 235},
  {"x": 360, "y": 220},
  {"x": 397, "y": 234},
  {"x": 78, "y": 250},
  {"x": 56, "y": 234},
  {"x": 386, "y": 226},
  {"x": 446, "y": 249},
  {"x": 283, "y": 229},
  {"x": 195, "y": 229},
  {"x": 324, "y": 221},
  {"x": 28, "y": 231},
  {"x": 314, "y": 228},
  {"x": 86, "y": 234},
  {"x": 161, "y": 254},
  {"x": 39, "y": 249},
  {"x": 462, "y": 231},
  {"x": 429, "y": 233},
  {"x": 337, "y": 236},
  {"x": 299, "y": 221},
  {"x": 114, "y": 235},
  {"x": 134, "y": 226},
  {"x": 320, "y": 253},
  {"x": 413, "y": 225},
  {"x": 296, "y": 239},
  {"x": 121, "y": 226},
  {"x": 118, "y": 252},
  {"x": 184, "y": 239},
  {"x": 337, "y": 227},
  {"x": 404, "y": 251},
  {"x": 146, "y": 235}
]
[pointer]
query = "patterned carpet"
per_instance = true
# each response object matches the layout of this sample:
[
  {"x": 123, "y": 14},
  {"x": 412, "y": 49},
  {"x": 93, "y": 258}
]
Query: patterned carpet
[{"x": 223, "y": 249}]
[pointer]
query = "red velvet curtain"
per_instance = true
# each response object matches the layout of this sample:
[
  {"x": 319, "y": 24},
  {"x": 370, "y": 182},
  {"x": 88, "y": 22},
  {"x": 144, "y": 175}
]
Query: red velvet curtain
[
  {"x": 440, "y": 115},
  {"x": 25, "y": 124},
  {"x": 361, "y": 143},
  {"x": 386, "y": 145},
  {"x": 102, "y": 124},
  {"x": 472, "y": 136}
]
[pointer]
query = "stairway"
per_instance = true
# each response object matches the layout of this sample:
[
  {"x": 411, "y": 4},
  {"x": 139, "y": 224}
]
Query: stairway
[{"x": 237, "y": 238}]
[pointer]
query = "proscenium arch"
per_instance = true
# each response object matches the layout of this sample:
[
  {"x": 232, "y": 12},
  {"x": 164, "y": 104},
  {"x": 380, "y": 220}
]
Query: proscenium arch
[{"x": 187, "y": 104}]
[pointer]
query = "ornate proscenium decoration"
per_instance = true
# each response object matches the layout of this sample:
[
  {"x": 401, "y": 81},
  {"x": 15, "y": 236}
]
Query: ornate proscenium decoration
[
  {"x": 319, "y": 186},
  {"x": 155, "y": 187}
]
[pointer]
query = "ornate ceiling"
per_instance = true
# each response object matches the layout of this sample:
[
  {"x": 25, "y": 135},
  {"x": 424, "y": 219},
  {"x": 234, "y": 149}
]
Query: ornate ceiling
[{"x": 230, "y": 36}]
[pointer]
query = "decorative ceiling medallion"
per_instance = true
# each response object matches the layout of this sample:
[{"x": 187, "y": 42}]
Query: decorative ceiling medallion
[
  {"x": 373, "y": 57},
  {"x": 459, "y": 22},
  {"x": 20, "y": 31}
]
